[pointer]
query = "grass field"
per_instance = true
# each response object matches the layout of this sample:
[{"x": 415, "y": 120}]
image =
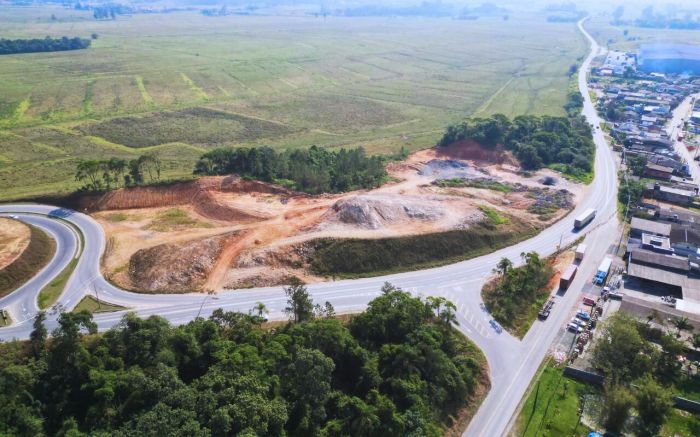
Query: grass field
[
  {"x": 552, "y": 405},
  {"x": 90, "y": 304},
  {"x": 178, "y": 84},
  {"x": 613, "y": 36}
]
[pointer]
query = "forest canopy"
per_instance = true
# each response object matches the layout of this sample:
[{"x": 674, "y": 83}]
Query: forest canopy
[
  {"x": 313, "y": 170},
  {"x": 14, "y": 46},
  {"x": 397, "y": 369},
  {"x": 535, "y": 141}
]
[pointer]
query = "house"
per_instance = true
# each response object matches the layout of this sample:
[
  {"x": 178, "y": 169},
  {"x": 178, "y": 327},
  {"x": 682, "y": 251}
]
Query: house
[
  {"x": 658, "y": 171},
  {"x": 640, "y": 226},
  {"x": 670, "y": 194}
]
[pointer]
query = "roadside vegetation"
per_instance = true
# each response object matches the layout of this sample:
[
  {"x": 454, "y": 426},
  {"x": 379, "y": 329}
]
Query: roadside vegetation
[
  {"x": 37, "y": 254},
  {"x": 552, "y": 406},
  {"x": 313, "y": 170},
  {"x": 173, "y": 218},
  {"x": 399, "y": 368},
  {"x": 358, "y": 257},
  {"x": 101, "y": 175},
  {"x": 92, "y": 305},
  {"x": 516, "y": 295},
  {"x": 52, "y": 291}
]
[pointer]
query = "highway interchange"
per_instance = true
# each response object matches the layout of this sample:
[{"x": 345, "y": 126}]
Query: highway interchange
[{"x": 513, "y": 362}]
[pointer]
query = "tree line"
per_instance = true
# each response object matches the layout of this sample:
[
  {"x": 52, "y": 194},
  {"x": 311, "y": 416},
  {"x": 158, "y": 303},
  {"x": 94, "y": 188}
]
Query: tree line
[
  {"x": 99, "y": 175},
  {"x": 397, "y": 369},
  {"x": 313, "y": 170},
  {"x": 641, "y": 368},
  {"x": 535, "y": 141},
  {"x": 14, "y": 46}
]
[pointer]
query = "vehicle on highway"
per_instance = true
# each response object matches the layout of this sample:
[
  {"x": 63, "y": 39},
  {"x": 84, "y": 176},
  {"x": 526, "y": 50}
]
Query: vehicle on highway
[
  {"x": 496, "y": 327},
  {"x": 580, "y": 252},
  {"x": 603, "y": 270},
  {"x": 568, "y": 276},
  {"x": 585, "y": 218},
  {"x": 546, "y": 310}
]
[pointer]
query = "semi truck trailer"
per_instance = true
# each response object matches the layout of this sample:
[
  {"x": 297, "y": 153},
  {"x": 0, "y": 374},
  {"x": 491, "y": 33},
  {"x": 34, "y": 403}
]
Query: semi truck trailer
[{"x": 585, "y": 218}]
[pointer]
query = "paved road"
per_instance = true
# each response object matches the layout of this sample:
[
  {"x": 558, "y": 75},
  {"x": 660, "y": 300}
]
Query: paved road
[
  {"x": 680, "y": 115},
  {"x": 512, "y": 362}
]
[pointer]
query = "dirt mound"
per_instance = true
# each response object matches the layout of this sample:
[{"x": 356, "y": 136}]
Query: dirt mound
[
  {"x": 200, "y": 193},
  {"x": 375, "y": 211},
  {"x": 472, "y": 150},
  {"x": 177, "y": 268}
]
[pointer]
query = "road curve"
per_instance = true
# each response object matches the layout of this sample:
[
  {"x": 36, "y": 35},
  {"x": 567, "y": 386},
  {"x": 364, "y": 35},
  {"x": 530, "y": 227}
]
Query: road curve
[{"x": 512, "y": 362}]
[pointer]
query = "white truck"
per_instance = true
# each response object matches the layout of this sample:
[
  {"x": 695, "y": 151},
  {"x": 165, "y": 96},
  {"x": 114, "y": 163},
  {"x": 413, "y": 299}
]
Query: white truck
[
  {"x": 580, "y": 251},
  {"x": 603, "y": 270},
  {"x": 585, "y": 218}
]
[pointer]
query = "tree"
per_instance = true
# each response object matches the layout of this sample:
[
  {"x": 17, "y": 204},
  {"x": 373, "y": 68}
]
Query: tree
[
  {"x": 260, "y": 309},
  {"x": 389, "y": 288},
  {"x": 503, "y": 266},
  {"x": 37, "y": 339},
  {"x": 619, "y": 350},
  {"x": 653, "y": 404},
  {"x": 695, "y": 341},
  {"x": 299, "y": 303},
  {"x": 308, "y": 381},
  {"x": 682, "y": 324},
  {"x": 616, "y": 408}
]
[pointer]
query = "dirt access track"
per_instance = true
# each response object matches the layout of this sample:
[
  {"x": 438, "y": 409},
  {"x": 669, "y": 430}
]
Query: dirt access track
[{"x": 249, "y": 233}]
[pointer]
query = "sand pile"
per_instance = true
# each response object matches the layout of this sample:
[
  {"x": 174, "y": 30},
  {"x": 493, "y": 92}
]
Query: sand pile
[{"x": 377, "y": 211}]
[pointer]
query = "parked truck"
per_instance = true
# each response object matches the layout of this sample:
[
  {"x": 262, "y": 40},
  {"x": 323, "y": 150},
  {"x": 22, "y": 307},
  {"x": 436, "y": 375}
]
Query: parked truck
[
  {"x": 580, "y": 251},
  {"x": 603, "y": 270},
  {"x": 567, "y": 276},
  {"x": 585, "y": 218}
]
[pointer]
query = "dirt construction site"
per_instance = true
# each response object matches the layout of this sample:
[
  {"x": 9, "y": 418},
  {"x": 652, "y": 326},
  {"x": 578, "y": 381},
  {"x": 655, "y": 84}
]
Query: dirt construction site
[
  {"x": 14, "y": 239},
  {"x": 229, "y": 232}
]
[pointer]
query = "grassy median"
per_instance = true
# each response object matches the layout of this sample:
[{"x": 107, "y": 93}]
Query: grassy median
[
  {"x": 92, "y": 305},
  {"x": 50, "y": 294}
]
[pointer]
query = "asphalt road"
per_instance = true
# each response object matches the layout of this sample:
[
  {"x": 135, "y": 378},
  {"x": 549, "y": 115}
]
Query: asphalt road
[
  {"x": 680, "y": 115},
  {"x": 512, "y": 362}
]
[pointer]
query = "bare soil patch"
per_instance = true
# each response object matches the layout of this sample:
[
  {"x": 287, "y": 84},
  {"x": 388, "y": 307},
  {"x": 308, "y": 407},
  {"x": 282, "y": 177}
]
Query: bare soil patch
[
  {"x": 14, "y": 239},
  {"x": 274, "y": 223}
]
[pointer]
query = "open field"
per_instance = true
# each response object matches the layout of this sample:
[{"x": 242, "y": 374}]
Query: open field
[
  {"x": 178, "y": 84},
  {"x": 614, "y": 38}
]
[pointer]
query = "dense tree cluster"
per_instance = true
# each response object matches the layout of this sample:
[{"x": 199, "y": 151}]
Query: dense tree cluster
[
  {"x": 313, "y": 170},
  {"x": 641, "y": 365},
  {"x": 535, "y": 141},
  {"x": 98, "y": 175},
  {"x": 397, "y": 369},
  {"x": 13, "y": 46},
  {"x": 511, "y": 296}
]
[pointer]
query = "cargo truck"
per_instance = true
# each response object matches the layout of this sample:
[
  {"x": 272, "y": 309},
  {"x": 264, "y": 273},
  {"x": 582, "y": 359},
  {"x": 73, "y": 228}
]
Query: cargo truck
[
  {"x": 567, "y": 277},
  {"x": 603, "y": 270},
  {"x": 585, "y": 218},
  {"x": 580, "y": 251}
]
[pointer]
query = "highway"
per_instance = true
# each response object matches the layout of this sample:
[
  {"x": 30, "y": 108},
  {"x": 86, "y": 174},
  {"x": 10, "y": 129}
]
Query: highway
[{"x": 512, "y": 362}]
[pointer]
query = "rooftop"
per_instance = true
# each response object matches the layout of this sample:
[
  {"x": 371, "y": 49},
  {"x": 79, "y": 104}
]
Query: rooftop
[
  {"x": 658, "y": 260},
  {"x": 651, "y": 227}
]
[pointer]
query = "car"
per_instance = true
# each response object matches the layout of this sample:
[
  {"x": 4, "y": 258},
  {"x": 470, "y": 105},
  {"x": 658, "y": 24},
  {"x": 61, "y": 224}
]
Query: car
[
  {"x": 14, "y": 217},
  {"x": 583, "y": 315},
  {"x": 574, "y": 327},
  {"x": 496, "y": 327}
]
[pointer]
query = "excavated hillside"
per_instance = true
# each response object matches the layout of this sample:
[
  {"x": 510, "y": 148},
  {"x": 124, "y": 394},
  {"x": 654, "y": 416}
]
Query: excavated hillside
[{"x": 228, "y": 232}]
